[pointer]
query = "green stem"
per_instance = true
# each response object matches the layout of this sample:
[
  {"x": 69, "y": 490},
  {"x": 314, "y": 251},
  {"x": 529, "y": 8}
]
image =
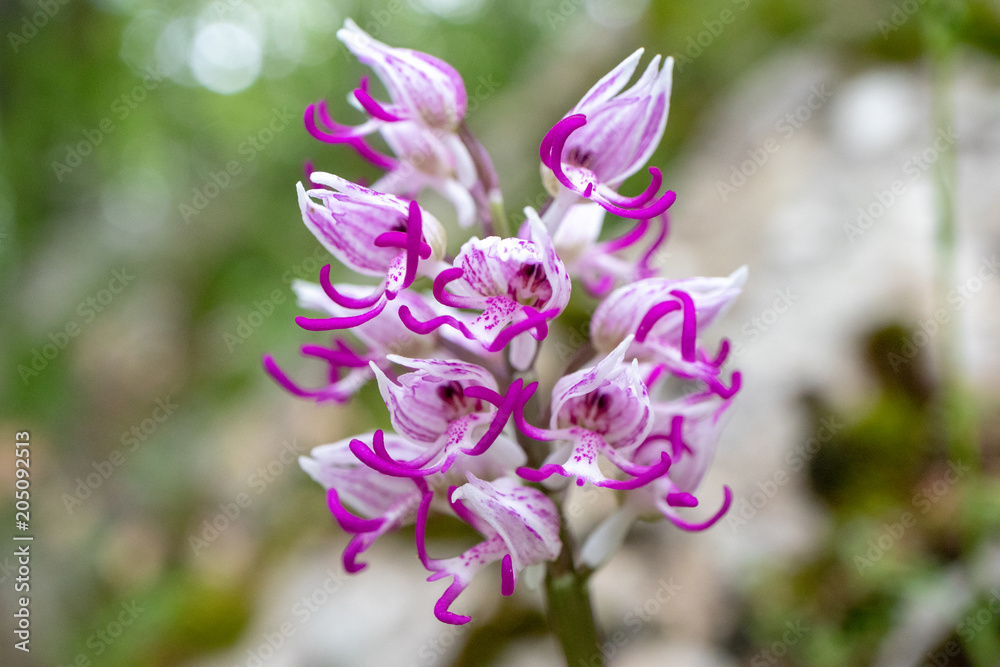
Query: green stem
[
  {"x": 957, "y": 422},
  {"x": 500, "y": 225},
  {"x": 570, "y": 615}
]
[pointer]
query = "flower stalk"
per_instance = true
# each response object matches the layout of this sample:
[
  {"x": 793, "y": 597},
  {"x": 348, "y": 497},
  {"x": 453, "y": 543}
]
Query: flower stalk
[{"x": 570, "y": 614}]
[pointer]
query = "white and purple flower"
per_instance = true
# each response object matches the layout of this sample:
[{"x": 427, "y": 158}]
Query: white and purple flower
[
  {"x": 519, "y": 284},
  {"x": 451, "y": 408},
  {"x": 598, "y": 411},
  {"x": 666, "y": 317},
  {"x": 521, "y": 527},
  {"x": 454, "y": 343},
  {"x": 607, "y": 137},
  {"x": 374, "y": 234}
]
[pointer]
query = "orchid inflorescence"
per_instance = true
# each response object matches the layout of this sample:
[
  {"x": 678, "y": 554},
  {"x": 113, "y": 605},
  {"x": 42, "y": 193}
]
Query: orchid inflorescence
[{"x": 452, "y": 341}]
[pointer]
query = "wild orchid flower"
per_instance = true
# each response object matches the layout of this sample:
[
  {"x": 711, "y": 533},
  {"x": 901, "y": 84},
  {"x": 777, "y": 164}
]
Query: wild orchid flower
[
  {"x": 423, "y": 88},
  {"x": 603, "y": 410},
  {"x": 689, "y": 429},
  {"x": 374, "y": 234},
  {"x": 420, "y": 126},
  {"x": 456, "y": 343},
  {"x": 666, "y": 317},
  {"x": 521, "y": 527},
  {"x": 450, "y": 407},
  {"x": 519, "y": 284},
  {"x": 606, "y": 138},
  {"x": 384, "y": 503}
]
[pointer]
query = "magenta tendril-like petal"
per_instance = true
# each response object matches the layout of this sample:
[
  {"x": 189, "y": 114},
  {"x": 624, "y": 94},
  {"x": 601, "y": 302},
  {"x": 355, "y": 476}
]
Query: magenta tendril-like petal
[
  {"x": 641, "y": 199},
  {"x": 348, "y": 521},
  {"x": 656, "y": 374},
  {"x": 441, "y": 607},
  {"x": 522, "y": 424},
  {"x": 444, "y": 297},
  {"x": 722, "y": 390},
  {"x": 499, "y": 420},
  {"x": 535, "y": 320},
  {"x": 645, "y": 270},
  {"x": 340, "y": 134},
  {"x": 414, "y": 244},
  {"x": 486, "y": 394},
  {"x": 351, "y": 552},
  {"x": 633, "y": 236},
  {"x": 705, "y": 525},
  {"x": 723, "y": 354},
  {"x": 331, "y": 323},
  {"x": 432, "y": 325},
  {"x": 656, "y": 208},
  {"x": 369, "y": 104},
  {"x": 342, "y": 357},
  {"x": 343, "y": 300},
  {"x": 689, "y": 325},
  {"x": 387, "y": 467},
  {"x": 653, "y": 472},
  {"x": 542, "y": 473},
  {"x": 654, "y": 315},
  {"x": 555, "y": 141},
  {"x": 272, "y": 369},
  {"x": 676, "y": 436},
  {"x": 507, "y": 580},
  {"x": 421, "y": 523},
  {"x": 378, "y": 446},
  {"x": 400, "y": 240},
  {"x": 681, "y": 499}
]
